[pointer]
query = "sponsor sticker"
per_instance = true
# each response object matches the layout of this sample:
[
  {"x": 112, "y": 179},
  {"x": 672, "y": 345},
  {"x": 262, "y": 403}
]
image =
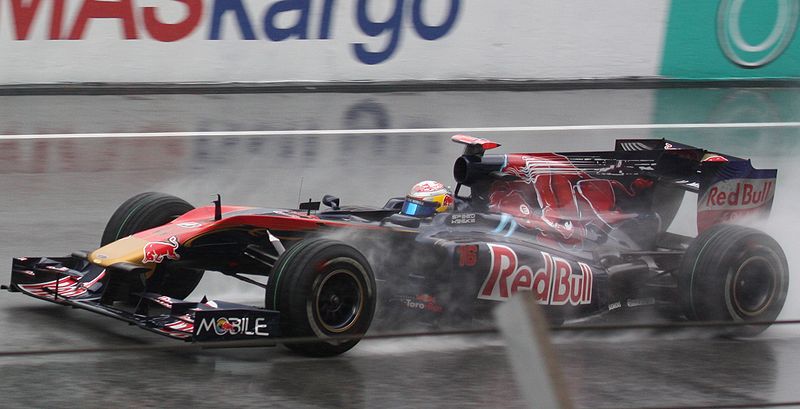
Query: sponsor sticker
[
  {"x": 555, "y": 283},
  {"x": 462, "y": 218},
  {"x": 234, "y": 324},
  {"x": 157, "y": 251},
  {"x": 738, "y": 194},
  {"x": 422, "y": 302},
  {"x": 467, "y": 255}
]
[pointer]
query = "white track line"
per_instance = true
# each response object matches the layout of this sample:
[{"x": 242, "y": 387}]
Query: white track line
[{"x": 553, "y": 128}]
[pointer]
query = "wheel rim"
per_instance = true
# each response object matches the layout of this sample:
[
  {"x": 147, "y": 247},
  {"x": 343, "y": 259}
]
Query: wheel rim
[
  {"x": 753, "y": 286},
  {"x": 339, "y": 300}
]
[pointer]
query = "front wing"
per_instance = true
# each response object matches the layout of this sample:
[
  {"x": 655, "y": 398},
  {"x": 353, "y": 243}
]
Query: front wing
[{"x": 76, "y": 282}]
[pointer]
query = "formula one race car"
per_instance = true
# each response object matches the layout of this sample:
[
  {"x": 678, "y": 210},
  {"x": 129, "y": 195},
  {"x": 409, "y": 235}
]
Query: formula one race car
[{"x": 585, "y": 233}]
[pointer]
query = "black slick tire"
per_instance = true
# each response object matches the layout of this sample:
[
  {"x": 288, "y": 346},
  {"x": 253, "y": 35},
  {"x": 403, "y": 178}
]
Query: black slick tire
[
  {"x": 733, "y": 273},
  {"x": 146, "y": 211},
  {"x": 322, "y": 289}
]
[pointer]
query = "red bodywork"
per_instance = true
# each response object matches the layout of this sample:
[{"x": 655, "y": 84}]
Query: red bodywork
[
  {"x": 200, "y": 222},
  {"x": 554, "y": 196}
]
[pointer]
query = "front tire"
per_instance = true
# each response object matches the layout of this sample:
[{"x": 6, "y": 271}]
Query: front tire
[
  {"x": 734, "y": 273},
  {"x": 322, "y": 288},
  {"x": 146, "y": 211}
]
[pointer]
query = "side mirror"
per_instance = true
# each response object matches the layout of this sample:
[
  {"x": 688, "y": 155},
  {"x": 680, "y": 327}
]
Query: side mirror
[{"x": 331, "y": 201}]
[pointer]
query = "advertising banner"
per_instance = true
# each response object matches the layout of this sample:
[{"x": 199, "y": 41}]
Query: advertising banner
[
  {"x": 732, "y": 39},
  {"x": 258, "y": 41},
  {"x": 179, "y": 41}
]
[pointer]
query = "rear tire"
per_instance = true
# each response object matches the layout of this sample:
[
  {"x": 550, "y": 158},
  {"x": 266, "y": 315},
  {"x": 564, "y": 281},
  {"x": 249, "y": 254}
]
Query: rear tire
[
  {"x": 146, "y": 211},
  {"x": 734, "y": 273},
  {"x": 322, "y": 288}
]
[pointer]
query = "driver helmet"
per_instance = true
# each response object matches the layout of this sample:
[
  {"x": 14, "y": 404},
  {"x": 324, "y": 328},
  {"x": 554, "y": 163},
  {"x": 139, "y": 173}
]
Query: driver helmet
[{"x": 427, "y": 198}]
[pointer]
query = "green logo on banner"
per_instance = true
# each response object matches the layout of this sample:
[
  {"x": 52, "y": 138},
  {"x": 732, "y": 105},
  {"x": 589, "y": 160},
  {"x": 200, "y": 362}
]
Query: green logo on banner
[
  {"x": 742, "y": 52},
  {"x": 732, "y": 38}
]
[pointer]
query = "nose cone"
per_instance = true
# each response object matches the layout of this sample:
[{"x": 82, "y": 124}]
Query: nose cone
[{"x": 129, "y": 249}]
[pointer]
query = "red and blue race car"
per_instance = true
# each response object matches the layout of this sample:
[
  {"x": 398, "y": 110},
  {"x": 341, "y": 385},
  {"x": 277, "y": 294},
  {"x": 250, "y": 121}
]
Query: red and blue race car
[{"x": 584, "y": 232}]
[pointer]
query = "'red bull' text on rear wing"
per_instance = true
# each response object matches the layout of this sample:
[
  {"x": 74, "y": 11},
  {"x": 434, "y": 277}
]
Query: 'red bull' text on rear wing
[
  {"x": 727, "y": 187},
  {"x": 733, "y": 189}
]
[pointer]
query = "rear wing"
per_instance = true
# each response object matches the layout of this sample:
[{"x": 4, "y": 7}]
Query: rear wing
[{"x": 727, "y": 187}]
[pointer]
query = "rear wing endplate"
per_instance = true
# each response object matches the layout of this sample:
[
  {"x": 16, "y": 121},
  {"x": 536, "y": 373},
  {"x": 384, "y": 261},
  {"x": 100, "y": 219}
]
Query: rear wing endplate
[{"x": 728, "y": 187}]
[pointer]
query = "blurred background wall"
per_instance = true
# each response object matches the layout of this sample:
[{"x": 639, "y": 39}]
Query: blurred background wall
[{"x": 211, "y": 41}]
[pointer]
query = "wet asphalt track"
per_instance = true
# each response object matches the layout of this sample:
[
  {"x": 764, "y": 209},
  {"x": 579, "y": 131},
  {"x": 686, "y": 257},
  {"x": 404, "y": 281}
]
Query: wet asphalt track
[{"x": 57, "y": 195}]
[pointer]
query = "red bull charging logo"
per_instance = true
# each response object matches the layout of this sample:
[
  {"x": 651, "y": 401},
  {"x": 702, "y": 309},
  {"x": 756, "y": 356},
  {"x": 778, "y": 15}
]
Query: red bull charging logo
[
  {"x": 223, "y": 326},
  {"x": 157, "y": 251}
]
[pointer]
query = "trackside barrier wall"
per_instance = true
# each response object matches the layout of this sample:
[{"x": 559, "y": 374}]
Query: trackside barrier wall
[{"x": 179, "y": 41}]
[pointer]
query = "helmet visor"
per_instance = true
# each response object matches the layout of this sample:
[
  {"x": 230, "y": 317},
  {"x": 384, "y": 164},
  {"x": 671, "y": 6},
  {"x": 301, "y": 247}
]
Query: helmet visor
[{"x": 419, "y": 208}]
